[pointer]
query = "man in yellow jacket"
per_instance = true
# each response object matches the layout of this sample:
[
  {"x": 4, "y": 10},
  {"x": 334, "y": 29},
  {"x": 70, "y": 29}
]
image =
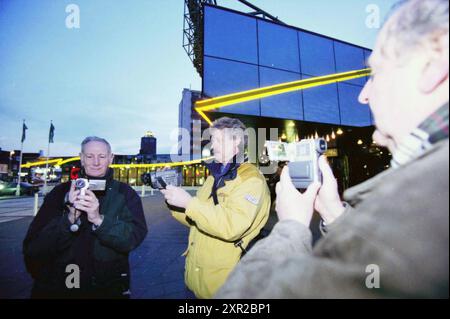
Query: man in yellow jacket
[{"x": 227, "y": 213}]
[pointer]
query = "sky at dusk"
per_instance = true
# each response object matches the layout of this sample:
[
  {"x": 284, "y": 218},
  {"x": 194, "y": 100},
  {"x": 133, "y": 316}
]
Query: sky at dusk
[{"x": 123, "y": 71}]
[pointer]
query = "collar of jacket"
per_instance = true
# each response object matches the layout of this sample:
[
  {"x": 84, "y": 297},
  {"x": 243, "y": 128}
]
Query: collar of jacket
[
  {"x": 429, "y": 132},
  {"x": 436, "y": 125},
  {"x": 222, "y": 174}
]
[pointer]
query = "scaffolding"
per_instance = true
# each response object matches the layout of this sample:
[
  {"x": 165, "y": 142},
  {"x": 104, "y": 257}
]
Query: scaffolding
[
  {"x": 193, "y": 31},
  {"x": 193, "y": 27}
]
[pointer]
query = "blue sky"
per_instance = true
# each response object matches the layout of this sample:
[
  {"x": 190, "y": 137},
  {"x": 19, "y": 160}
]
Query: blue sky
[{"x": 122, "y": 72}]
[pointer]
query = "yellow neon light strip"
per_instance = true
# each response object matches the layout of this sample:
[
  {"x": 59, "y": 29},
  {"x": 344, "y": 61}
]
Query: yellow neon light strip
[
  {"x": 60, "y": 161},
  {"x": 245, "y": 96},
  {"x": 235, "y": 98},
  {"x": 73, "y": 159},
  {"x": 160, "y": 164},
  {"x": 27, "y": 165},
  {"x": 203, "y": 115}
]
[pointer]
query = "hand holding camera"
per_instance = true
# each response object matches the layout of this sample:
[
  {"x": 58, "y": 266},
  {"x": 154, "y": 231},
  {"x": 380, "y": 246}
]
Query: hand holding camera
[
  {"x": 89, "y": 204},
  {"x": 324, "y": 197},
  {"x": 83, "y": 199},
  {"x": 161, "y": 179},
  {"x": 307, "y": 169},
  {"x": 293, "y": 205},
  {"x": 176, "y": 196},
  {"x": 70, "y": 199},
  {"x": 328, "y": 202}
]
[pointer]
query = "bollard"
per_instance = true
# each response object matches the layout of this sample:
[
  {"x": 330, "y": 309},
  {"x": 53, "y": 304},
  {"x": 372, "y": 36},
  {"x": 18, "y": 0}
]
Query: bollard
[
  {"x": 143, "y": 190},
  {"x": 151, "y": 191},
  {"x": 36, "y": 203}
]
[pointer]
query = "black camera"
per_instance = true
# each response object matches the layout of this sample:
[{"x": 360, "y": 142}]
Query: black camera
[{"x": 161, "y": 179}]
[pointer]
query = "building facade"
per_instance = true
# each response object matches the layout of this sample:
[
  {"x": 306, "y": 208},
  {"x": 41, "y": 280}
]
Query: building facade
[{"x": 242, "y": 52}]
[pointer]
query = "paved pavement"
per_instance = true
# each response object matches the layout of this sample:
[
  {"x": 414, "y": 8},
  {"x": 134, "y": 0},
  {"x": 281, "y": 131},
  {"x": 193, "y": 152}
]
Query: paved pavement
[
  {"x": 17, "y": 208},
  {"x": 157, "y": 267}
]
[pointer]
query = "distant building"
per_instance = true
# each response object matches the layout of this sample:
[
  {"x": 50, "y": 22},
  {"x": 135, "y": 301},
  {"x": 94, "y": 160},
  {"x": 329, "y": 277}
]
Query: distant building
[
  {"x": 148, "y": 144},
  {"x": 10, "y": 160}
]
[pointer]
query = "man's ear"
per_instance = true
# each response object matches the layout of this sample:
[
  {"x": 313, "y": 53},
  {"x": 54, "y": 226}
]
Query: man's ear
[
  {"x": 111, "y": 158},
  {"x": 436, "y": 71},
  {"x": 81, "y": 158}
]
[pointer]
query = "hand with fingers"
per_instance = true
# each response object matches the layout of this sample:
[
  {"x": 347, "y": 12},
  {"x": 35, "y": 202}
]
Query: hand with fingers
[
  {"x": 293, "y": 205},
  {"x": 89, "y": 204},
  {"x": 176, "y": 196},
  {"x": 73, "y": 194},
  {"x": 328, "y": 203}
]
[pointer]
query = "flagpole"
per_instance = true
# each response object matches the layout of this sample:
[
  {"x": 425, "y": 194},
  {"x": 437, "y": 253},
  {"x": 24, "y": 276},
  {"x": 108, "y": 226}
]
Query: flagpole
[
  {"x": 20, "y": 163},
  {"x": 50, "y": 140},
  {"x": 46, "y": 169},
  {"x": 20, "y": 171}
]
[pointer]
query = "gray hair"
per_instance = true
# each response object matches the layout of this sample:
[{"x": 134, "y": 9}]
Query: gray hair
[
  {"x": 95, "y": 139},
  {"x": 235, "y": 126},
  {"x": 412, "y": 21}
]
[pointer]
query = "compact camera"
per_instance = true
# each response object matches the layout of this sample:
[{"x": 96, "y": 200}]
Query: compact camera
[
  {"x": 161, "y": 179},
  {"x": 303, "y": 159},
  {"x": 94, "y": 185}
]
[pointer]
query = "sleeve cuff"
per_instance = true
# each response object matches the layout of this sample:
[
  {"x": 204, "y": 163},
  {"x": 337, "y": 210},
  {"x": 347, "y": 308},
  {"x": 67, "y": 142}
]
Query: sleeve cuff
[
  {"x": 193, "y": 207},
  {"x": 95, "y": 227},
  {"x": 105, "y": 225},
  {"x": 325, "y": 229},
  {"x": 175, "y": 208}
]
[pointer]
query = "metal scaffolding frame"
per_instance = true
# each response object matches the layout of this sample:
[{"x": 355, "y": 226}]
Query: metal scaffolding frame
[
  {"x": 193, "y": 31},
  {"x": 193, "y": 27}
]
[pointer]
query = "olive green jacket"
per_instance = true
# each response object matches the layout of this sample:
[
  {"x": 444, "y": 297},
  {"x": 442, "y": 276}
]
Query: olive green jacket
[{"x": 392, "y": 242}]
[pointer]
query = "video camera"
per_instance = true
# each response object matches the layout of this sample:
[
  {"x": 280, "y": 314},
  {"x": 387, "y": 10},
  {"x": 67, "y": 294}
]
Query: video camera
[
  {"x": 303, "y": 159},
  {"x": 82, "y": 184},
  {"x": 94, "y": 185},
  {"x": 161, "y": 179}
]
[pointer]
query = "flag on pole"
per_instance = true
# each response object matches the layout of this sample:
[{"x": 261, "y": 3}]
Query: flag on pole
[
  {"x": 52, "y": 133},
  {"x": 24, "y": 128}
]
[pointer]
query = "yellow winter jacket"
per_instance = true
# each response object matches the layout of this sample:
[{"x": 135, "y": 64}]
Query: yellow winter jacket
[{"x": 243, "y": 209}]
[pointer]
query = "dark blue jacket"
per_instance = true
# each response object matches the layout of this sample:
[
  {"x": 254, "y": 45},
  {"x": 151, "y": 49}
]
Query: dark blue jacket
[{"x": 101, "y": 254}]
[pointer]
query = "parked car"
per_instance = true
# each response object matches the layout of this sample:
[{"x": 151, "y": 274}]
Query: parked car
[{"x": 25, "y": 189}]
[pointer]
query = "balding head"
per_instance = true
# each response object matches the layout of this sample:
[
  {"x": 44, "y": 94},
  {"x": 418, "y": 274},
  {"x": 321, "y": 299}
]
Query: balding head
[
  {"x": 409, "y": 69},
  {"x": 411, "y": 25}
]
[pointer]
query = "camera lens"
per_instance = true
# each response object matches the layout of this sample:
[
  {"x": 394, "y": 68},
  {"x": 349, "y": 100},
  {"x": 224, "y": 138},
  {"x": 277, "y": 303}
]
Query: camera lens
[
  {"x": 80, "y": 184},
  {"x": 321, "y": 146}
]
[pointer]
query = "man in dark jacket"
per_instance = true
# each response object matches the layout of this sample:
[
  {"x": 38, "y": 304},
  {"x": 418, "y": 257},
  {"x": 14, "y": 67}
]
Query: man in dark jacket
[
  {"x": 390, "y": 240},
  {"x": 78, "y": 244}
]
